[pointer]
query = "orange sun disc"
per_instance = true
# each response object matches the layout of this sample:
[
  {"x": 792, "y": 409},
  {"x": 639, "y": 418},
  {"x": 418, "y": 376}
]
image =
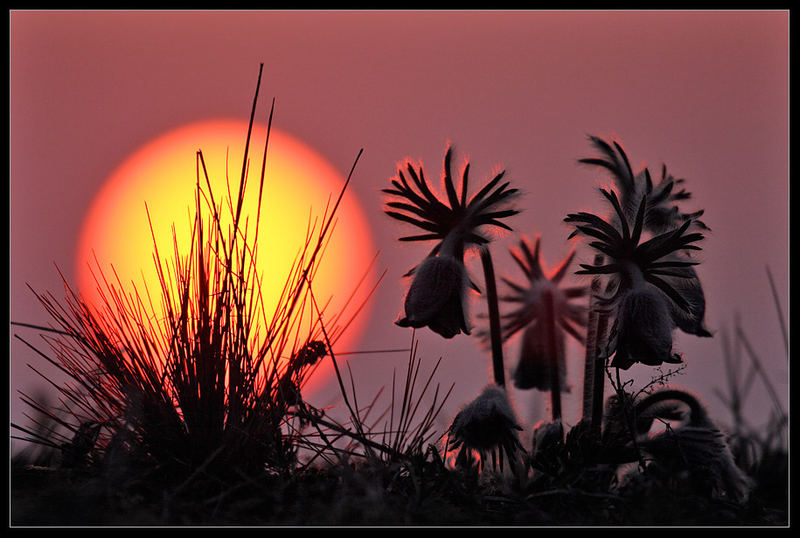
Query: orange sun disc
[{"x": 299, "y": 184}]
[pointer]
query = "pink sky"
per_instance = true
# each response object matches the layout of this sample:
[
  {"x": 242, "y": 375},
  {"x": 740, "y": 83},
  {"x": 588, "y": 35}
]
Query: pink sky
[{"x": 704, "y": 92}]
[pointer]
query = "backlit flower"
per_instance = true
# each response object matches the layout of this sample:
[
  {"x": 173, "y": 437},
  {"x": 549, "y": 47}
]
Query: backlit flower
[
  {"x": 694, "y": 450},
  {"x": 662, "y": 215},
  {"x": 437, "y": 294},
  {"x": 641, "y": 279},
  {"x": 437, "y": 297},
  {"x": 663, "y": 212},
  {"x": 484, "y": 425},
  {"x": 644, "y": 327},
  {"x": 535, "y": 317}
]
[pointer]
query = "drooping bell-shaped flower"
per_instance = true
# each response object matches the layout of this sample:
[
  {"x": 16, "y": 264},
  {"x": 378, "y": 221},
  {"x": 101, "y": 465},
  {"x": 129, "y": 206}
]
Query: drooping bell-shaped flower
[
  {"x": 644, "y": 329},
  {"x": 486, "y": 424},
  {"x": 436, "y": 298},
  {"x": 662, "y": 215},
  {"x": 533, "y": 370},
  {"x": 641, "y": 277},
  {"x": 536, "y": 318}
]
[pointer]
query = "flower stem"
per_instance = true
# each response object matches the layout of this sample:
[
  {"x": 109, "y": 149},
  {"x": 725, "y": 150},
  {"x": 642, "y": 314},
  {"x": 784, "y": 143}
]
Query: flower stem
[
  {"x": 494, "y": 317},
  {"x": 553, "y": 354},
  {"x": 591, "y": 349},
  {"x": 594, "y": 368},
  {"x": 599, "y": 378}
]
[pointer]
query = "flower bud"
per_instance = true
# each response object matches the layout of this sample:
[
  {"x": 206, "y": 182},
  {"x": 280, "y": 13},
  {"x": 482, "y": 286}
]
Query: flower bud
[{"x": 486, "y": 422}]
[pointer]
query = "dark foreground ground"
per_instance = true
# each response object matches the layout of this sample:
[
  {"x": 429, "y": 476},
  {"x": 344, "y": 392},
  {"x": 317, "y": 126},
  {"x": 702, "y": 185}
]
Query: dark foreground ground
[{"x": 364, "y": 496}]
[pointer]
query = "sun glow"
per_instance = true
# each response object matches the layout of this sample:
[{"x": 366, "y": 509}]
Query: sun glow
[{"x": 160, "y": 179}]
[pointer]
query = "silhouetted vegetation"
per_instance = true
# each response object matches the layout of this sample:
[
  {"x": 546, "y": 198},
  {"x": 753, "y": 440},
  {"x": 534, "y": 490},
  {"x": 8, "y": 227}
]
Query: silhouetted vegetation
[{"x": 191, "y": 412}]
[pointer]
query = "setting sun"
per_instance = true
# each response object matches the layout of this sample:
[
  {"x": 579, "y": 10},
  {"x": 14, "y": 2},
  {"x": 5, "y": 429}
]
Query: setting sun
[{"x": 160, "y": 178}]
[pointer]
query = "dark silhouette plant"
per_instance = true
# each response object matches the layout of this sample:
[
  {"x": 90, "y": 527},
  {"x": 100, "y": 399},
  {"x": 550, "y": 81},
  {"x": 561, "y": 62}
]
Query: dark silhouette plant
[
  {"x": 692, "y": 454},
  {"x": 645, "y": 283},
  {"x": 487, "y": 425},
  {"x": 663, "y": 214},
  {"x": 204, "y": 396},
  {"x": 437, "y": 296},
  {"x": 545, "y": 314},
  {"x": 210, "y": 380},
  {"x": 635, "y": 285},
  {"x": 662, "y": 198}
]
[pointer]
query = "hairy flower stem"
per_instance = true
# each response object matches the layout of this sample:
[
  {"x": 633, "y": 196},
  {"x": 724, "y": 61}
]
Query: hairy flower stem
[
  {"x": 628, "y": 414},
  {"x": 594, "y": 368},
  {"x": 591, "y": 346},
  {"x": 553, "y": 353},
  {"x": 494, "y": 317},
  {"x": 599, "y": 378}
]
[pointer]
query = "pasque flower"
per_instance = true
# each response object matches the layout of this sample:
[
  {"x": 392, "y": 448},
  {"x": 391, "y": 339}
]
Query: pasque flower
[
  {"x": 662, "y": 215},
  {"x": 638, "y": 285},
  {"x": 535, "y": 317},
  {"x": 437, "y": 295},
  {"x": 484, "y": 425},
  {"x": 663, "y": 212},
  {"x": 694, "y": 449},
  {"x": 644, "y": 327}
]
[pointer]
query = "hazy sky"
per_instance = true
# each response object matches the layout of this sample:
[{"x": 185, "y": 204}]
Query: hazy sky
[{"x": 704, "y": 92}]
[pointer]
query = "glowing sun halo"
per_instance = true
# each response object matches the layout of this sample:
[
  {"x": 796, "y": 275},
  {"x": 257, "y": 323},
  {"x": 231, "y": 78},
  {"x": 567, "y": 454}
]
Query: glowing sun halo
[{"x": 298, "y": 185}]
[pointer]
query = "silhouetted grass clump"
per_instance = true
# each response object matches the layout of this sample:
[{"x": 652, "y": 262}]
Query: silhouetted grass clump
[
  {"x": 185, "y": 406},
  {"x": 204, "y": 381}
]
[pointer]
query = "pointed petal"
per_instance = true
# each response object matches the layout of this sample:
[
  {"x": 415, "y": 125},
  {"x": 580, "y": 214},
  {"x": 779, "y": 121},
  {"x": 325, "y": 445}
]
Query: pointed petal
[
  {"x": 561, "y": 270},
  {"x": 464, "y": 185},
  {"x": 448, "y": 180}
]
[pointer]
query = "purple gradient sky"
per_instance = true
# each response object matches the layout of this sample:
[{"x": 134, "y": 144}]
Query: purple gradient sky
[{"x": 704, "y": 92}]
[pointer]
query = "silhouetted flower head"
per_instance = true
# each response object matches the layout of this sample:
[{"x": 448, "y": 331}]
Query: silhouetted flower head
[
  {"x": 693, "y": 450},
  {"x": 644, "y": 329},
  {"x": 456, "y": 224},
  {"x": 485, "y": 424},
  {"x": 437, "y": 297},
  {"x": 662, "y": 215},
  {"x": 547, "y": 433},
  {"x": 663, "y": 212},
  {"x": 548, "y": 445},
  {"x": 533, "y": 369},
  {"x": 649, "y": 269}
]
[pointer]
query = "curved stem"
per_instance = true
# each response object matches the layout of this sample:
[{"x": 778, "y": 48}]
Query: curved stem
[{"x": 494, "y": 317}]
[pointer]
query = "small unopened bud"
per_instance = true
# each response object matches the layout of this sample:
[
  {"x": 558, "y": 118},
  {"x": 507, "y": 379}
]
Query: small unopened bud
[{"x": 486, "y": 422}]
